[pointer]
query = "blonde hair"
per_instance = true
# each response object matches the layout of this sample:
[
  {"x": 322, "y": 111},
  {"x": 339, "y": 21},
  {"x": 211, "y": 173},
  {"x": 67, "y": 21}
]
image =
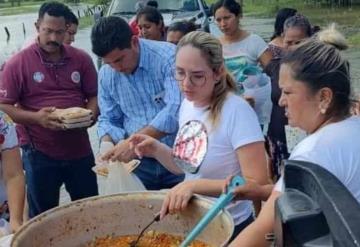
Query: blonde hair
[
  {"x": 211, "y": 49},
  {"x": 333, "y": 37}
]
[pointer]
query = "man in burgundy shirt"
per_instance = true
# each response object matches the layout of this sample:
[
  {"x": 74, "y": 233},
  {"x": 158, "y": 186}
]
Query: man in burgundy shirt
[{"x": 44, "y": 76}]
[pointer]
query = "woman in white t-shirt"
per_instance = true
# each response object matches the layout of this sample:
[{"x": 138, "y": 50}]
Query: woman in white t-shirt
[
  {"x": 244, "y": 52},
  {"x": 12, "y": 176},
  {"x": 315, "y": 84},
  {"x": 219, "y": 133},
  {"x": 240, "y": 48}
]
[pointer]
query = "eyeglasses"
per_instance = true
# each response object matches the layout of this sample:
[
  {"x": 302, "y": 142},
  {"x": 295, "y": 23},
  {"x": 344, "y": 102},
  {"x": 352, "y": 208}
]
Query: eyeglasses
[{"x": 197, "y": 79}]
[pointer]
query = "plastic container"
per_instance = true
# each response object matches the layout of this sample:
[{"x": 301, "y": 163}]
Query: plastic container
[
  {"x": 253, "y": 78},
  {"x": 259, "y": 88}
]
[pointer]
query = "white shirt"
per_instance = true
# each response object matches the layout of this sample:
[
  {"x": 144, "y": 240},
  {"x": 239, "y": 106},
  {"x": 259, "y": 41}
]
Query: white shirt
[
  {"x": 246, "y": 51},
  {"x": 8, "y": 140},
  {"x": 237, "y": 57},
  {"x": 335, "y": 147},
  {"x": 237, "y": 126}
]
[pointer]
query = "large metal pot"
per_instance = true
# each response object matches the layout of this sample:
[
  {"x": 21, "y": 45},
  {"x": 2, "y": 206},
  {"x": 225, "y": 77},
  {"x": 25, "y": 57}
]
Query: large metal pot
[{"x": 79, "y": 222}]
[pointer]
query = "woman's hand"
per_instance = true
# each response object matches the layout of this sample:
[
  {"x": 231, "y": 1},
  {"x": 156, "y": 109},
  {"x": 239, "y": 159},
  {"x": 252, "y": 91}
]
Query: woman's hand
[
  {"x": 177, "y": 199},
  {"x": 251, "y": 190},
  {"x": 121, "y": 152},
  {"x": 105, "y": 147},
  {"x": 144, "y": 145}
]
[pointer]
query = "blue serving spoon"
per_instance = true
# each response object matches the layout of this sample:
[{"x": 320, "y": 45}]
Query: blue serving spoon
[{"x": 219, "y": 204}]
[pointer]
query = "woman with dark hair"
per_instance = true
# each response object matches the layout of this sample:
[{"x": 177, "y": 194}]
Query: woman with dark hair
[
  {"x": 295, "y": 30},
  {"x": 276, "y": 42},
  {"x": 253, "y": 49},
  {"x": 73, "y": 24},
  {"x": 243, "y": 51},
  {"x": 178, "y": 29},
  {"x": 139, "y": 5},
  {"x": 151, "y": 23},
  {"x": 316, "y": 89}
]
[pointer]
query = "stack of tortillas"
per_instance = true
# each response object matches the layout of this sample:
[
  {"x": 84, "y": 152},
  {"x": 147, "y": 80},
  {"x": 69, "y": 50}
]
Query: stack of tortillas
[{"x": 74, "y": 117}]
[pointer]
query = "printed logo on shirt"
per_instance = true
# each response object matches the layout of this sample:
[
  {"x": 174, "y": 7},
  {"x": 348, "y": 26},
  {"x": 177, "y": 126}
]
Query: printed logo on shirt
[
  {"x": 38, "y": 77},
  {"x": 75, "y": 77},
  {"x": 190, "y": 146},
  {"x": 159, "y": 97},
  {"x": 3, "y": 93}
]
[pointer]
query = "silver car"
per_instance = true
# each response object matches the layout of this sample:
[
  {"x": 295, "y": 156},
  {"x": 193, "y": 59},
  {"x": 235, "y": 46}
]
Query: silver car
[{"x": 171, "y": 10}]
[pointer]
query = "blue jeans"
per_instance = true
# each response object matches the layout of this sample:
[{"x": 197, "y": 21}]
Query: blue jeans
[
  {"x": 45, "y": 175},
  {"x": 154, "y": 176}
]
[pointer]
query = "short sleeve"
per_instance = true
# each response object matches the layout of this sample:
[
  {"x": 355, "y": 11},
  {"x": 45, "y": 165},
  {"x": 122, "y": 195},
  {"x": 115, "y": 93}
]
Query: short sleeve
[
  {"x": 243, "y": 127},
  {"x": 90, "y": 87},
  {"x": 308, "y": 152},
  {"x": 259, "y": 45},
  {"x": 280, "y": 186},
  {"x": 10, "y": 83},
  {"x": 8, "y": 138}
]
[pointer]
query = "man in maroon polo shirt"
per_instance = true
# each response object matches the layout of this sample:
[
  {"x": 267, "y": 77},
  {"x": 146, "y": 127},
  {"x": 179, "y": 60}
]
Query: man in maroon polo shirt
[{"x": 44, "y": 76}]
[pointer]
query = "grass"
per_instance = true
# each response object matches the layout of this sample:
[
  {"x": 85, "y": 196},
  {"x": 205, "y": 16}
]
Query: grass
[
  {"x": 25, "y": 7},
  {"x": 27, "y": 3},
  {"x": 348, "y": 20},
  {"x": 29, "y": 6},
  {"x": 33, "y": 6},
  {"x": 354, "y": 39},
  {"x": 19, "y": 10},
  {"x": 86, "y": 21}
]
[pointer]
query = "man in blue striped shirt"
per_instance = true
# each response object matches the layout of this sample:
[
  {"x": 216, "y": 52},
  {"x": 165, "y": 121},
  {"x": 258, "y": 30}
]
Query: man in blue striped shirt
[{"x": 137, "y": 94}]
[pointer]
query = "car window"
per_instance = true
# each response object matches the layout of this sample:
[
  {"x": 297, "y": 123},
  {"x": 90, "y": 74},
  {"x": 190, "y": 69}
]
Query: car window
[{"x": 128, "y": 6}]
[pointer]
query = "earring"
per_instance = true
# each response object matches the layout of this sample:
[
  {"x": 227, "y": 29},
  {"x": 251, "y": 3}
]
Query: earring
[{"x": 322, "y": 110}]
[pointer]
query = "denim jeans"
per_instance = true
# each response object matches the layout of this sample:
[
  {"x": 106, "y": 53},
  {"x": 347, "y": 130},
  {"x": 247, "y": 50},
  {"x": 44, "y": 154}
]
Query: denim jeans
[
  {"x": 154, "y": 176},
  {"x": 45, "y": 175}
]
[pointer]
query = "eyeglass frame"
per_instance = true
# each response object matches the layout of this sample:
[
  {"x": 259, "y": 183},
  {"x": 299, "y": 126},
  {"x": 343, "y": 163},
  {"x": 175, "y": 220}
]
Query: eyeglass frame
[{"x": 181, "y": 80}]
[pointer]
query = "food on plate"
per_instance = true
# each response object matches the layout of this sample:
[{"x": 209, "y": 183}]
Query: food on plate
[
  {"x": 102, "y": 167},
  {"x": 150, "y": 239},
  {"x": 103, "y": 171}
]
